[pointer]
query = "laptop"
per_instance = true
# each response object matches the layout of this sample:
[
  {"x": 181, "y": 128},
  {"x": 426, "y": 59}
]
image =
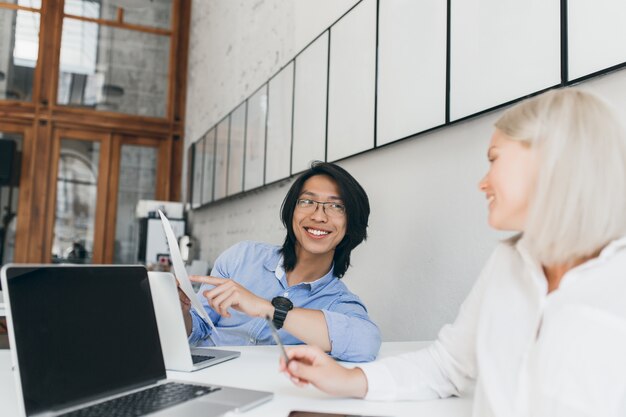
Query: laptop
[
  {"x": 84, "y": 342},
  {"x": 174, "y": 342}
]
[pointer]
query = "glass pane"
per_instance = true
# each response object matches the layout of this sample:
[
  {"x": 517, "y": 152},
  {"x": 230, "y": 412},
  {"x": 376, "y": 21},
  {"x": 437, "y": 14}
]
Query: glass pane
[
  {"x": 19, "y": 47},
  {"x": 77, "y": 186},
  {"x": 9, "y": 193},
  {"x": 111, "y": 69},
  {"x": 154, "y": 13},
  {"x": 137, "y": 181}
]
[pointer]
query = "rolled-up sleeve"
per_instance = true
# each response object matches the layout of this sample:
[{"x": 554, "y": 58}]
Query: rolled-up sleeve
[
  {"x": 353, "y": 336},
  {"x": 201, "y": 330}
]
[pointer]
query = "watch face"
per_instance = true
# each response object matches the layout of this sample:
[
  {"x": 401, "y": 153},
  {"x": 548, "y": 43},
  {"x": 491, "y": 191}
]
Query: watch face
[{"x": 282, "y": 303}]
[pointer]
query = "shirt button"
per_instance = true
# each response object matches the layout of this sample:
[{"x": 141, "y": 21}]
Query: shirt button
[
  {"x": 286, "y": 294},
  {"x": 252, "y": 340}
]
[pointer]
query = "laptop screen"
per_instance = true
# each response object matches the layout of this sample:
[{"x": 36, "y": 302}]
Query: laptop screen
[{"x": 82, "y": 332}]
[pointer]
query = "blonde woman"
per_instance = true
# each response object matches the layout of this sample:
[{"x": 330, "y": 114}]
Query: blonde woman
[{"x": 543, "y": 331}]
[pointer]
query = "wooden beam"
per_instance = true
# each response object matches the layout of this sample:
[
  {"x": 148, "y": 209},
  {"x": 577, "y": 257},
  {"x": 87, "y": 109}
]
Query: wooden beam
[{"x": 121, "y": 25}]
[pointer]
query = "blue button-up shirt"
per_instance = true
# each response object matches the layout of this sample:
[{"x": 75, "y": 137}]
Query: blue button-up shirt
[{"x": 258, "y": 268}]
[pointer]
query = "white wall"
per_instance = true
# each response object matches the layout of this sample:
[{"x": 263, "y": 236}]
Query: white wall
[
  {"x": 235, "y": 46},
  {"x": 428, "y": 232}
]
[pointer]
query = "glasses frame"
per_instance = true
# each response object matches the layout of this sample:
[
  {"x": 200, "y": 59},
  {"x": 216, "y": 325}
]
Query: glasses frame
[{"x": 323, "y": 204}]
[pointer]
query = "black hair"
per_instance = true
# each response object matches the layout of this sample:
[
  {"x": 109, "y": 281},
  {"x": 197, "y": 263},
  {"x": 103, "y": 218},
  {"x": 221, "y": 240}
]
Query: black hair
[{"x": 357, "y": 213}]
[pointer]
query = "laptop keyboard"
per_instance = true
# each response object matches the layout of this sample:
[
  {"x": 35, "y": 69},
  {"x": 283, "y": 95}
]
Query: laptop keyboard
[
  {"x": 199, "y": 358},
  {"x": 144, "y": 402}
]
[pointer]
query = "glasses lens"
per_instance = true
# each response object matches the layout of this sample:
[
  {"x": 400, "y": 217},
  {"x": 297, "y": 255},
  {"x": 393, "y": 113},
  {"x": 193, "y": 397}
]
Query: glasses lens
[
  {"x": 335, "y": 209},
  {"x": 306, "y": 204}
]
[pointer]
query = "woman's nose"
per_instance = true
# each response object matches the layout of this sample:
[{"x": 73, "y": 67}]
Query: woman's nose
[{"x": 482, "y": 184}]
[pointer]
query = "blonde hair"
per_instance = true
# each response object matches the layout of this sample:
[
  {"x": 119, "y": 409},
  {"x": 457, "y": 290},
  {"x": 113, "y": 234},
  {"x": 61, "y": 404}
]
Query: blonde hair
[{"x": 579, "y": 202}]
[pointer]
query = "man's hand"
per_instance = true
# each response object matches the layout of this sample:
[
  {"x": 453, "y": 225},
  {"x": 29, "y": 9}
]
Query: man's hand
[
  {"x": 229, "y": 294},
  {"x": 185, "y": 305}
]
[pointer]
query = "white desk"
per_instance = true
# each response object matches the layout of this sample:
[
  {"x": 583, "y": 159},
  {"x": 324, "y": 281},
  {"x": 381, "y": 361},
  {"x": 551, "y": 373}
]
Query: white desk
[{"x": 257, "y": 368}]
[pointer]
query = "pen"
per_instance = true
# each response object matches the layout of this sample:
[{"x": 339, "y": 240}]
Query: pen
[{"x": 277, "y": 339}]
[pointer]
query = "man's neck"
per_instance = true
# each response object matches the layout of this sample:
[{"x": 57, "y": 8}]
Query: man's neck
[{"x": 309, "y": 267}]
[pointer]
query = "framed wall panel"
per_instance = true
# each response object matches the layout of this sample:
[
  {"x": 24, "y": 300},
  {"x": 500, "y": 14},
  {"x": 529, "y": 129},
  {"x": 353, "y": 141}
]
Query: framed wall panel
[
  {"x": 309, "y": 118},
  {"x": 221, "y": 158},
  {"x": 351, "y": 88},
  {"x": 255, "y": 139},
  {"x": 280, "y": 111},
  {"x": 235, "y": 149},
  {"x": 411, "y": 68},
  {"x": 198, "y": 163},
  {"x": 501, "y": 50},
  {"x": 208, "y": 172},
  {"x": 596, "y": 35}
]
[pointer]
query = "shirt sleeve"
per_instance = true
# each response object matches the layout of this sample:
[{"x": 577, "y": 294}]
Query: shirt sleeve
[
  {"x": 201, "y": 330},
  {"x": 447, "y": 367},
  {"x": 353, "y": 336}
]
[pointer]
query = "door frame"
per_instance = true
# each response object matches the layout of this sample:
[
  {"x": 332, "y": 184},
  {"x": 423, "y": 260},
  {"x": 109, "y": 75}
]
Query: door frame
[
  {"x": 163, "y": 169},
  {"x": 24, "y": 185}
]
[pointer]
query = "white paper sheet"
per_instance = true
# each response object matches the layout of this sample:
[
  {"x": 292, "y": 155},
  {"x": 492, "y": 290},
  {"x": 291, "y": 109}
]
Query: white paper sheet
[{"x": 181, "y": 273}]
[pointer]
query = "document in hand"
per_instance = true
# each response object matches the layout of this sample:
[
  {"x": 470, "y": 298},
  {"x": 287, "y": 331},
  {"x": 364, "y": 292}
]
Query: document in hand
[{"x": 181, "y": 273}]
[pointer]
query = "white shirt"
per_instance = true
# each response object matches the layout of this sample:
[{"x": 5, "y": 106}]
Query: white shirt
[{"x": 527, "y": 352}]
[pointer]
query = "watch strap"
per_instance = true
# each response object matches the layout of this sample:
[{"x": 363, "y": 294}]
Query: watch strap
[{"x": 279, "y": 317}]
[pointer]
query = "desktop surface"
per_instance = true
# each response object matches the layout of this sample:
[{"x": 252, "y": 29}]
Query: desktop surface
[{"x": 257, "y": 368}]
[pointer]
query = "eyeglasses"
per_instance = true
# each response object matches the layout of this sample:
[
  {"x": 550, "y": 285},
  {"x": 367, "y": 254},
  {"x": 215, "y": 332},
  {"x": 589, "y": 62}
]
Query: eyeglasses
[{"x": 330, "y": 207}]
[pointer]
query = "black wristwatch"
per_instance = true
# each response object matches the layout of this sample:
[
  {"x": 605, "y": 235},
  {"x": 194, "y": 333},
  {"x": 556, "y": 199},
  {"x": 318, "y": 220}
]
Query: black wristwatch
[{"x": 282, "y": 305}]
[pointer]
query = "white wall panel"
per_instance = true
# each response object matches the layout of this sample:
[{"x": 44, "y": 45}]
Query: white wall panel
[
  {"x": 255, "y": 139},
  {"x": 309, "y": 124},
  {"x": 501, "y": 50},
  {"x": 280, "y": 110},
  {"x": 198, "y": 162},
  {"x": 352, "y": 82},
  {"x": 221, "y": 158},
  {"x": 411, "y": 67},
  {"x": 235, "y": 149},
  {"x": 596, "y": 35},
  {"x": 208, "y": 170}
]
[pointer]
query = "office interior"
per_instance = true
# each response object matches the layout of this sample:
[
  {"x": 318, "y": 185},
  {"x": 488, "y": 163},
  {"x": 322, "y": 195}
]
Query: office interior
[{"x": 216, "y": 106}]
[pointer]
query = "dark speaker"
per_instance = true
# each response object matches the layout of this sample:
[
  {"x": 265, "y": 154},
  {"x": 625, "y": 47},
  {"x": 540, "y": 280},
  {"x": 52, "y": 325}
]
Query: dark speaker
[{"x": 7, "y": 156}]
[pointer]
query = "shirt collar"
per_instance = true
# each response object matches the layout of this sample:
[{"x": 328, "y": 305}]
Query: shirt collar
[
  {"x": 275, "y": 263},
  {"x": 274, "y": 260},
  {"x": 535, "y": 268},
  {"x": 613, "y": 247},
  {"x": 606, "y": 253}
]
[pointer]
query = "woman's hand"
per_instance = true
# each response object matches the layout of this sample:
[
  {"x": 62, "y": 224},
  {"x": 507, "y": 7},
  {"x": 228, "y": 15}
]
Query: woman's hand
[
  {"x": 229, "y": 294},
  {"x": 310, "y": 365}
]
